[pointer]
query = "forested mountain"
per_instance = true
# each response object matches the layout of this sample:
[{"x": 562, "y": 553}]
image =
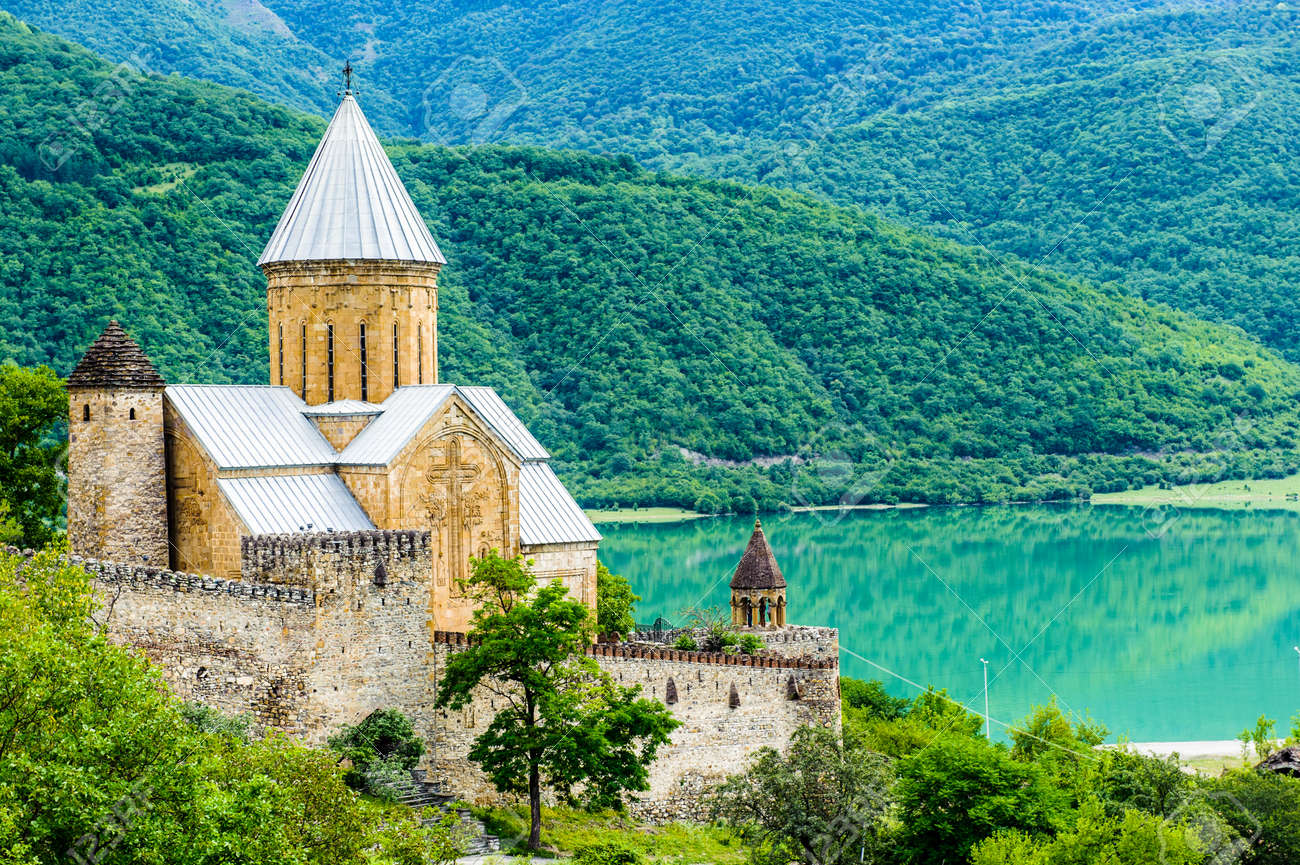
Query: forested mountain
[
  {"x": 629, "y": 316},
  {"x": 1149, "y": 143}
]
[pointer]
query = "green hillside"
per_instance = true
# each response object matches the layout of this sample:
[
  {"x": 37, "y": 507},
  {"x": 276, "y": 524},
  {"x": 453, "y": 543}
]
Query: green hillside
[
  {"x": 629, "y": 316},
  {"x": 1148, "y": 143}
]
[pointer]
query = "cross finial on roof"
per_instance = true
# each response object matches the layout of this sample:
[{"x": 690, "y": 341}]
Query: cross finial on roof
[{"x": 347, "y": 76}]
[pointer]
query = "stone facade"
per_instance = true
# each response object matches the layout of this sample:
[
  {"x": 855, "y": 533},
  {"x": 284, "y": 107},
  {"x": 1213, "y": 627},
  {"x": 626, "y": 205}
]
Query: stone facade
[
  {"x": 306, "y": 299},
  {"x": 321, "y": 630},
  {"x": 117, "y": 494}
]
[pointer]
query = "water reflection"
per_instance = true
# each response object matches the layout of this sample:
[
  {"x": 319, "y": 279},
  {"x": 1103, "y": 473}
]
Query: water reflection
[{"x": 1184, "y": 635}]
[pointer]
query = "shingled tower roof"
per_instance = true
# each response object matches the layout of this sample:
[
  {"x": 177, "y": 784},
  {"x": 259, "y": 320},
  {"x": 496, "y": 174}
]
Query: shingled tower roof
[
  {"x": 758, "y": 568},
  {"x": 350, "y": 203},
  {"x": 115, "y": 360}
]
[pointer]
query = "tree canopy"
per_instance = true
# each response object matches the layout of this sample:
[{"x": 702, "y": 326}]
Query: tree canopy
[{"x": 562, "y": 721}]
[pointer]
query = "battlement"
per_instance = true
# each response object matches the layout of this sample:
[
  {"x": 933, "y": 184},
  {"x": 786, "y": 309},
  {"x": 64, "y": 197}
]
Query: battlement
[
  {"x": 636, "y": 651},
  {"x": 295, "y": 559},
  {"x": 140, "y": 576}
]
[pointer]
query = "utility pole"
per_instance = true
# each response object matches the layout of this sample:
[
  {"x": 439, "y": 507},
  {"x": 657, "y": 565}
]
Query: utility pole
[{"x": 988, "y": 730}]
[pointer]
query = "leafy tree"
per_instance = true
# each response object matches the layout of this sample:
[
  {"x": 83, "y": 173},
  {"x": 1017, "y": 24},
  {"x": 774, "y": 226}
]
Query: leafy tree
[
  {"x": 1152, "y": 784},
  {"x": 563, "y": 721},
  {"x": 614, "y": 602},
  {"x": 824, "y": 802},
  {"x": 33, "y": 404},
  {"x": 959, "y": 791},
  {"x": 384, "y": 741},
  {"x": 1096, "y": 838},
  {"x": 871, "y": 699},
  {"x": 1261, "y": 737},
  {"x": 1262, "y": 808},
  {"x": 98, "y": 762}
]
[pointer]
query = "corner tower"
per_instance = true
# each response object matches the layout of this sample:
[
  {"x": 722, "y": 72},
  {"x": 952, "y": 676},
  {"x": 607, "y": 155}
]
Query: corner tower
[
  {"x": 117, "y": 476},
  {"x": 352, "y": 275},
  {"x": 758, "y": 586}
]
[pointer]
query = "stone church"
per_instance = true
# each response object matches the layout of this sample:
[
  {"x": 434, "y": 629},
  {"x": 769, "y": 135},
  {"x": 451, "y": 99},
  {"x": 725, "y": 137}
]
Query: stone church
[{"x": 354, "y": 433}]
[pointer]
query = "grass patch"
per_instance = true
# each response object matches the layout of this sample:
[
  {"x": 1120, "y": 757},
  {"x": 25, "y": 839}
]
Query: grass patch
[
  {"x": 643, "y": 515},
  {"x": 1269, "y": 494},
  {"x": 564, "y": 830}
]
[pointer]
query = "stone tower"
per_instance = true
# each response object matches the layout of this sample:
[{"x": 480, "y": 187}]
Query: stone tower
[
  {"x": 758, "y": 587},
  {"x": 352, "y": 275},
  {"x": 117, "y": 487}
]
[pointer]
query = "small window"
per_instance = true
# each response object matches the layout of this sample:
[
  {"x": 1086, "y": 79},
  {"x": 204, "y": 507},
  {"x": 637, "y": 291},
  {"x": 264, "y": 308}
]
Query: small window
[
  {"x": 280, "y": 340},
  {"x": 132, "y": 414},
  {"x": 365, "y": 372},
  {"x": 329, "y": 361},
  {"x": 397, "y": 382},
  {"x": 419, "y": 354},
  {"x": 85, "y": 412},
  {"x": 303, "y": 330}
]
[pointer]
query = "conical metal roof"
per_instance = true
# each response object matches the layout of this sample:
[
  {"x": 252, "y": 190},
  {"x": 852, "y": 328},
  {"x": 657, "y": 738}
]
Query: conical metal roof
[{"x": 350, "y": 203}]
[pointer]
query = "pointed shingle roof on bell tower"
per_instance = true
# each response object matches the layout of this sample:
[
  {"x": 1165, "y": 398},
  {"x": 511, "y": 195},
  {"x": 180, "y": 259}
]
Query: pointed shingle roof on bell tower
[
  {"x": 350, "y": 203},
  {"x": 115, "y": 360},
  {"x": 758, "y": 568}
]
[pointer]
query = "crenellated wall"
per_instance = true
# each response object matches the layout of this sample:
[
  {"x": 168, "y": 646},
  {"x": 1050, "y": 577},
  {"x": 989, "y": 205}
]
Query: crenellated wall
[{"x": 321, "y": 630}]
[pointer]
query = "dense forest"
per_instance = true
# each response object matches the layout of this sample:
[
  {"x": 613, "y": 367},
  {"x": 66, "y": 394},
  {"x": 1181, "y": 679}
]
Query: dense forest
[
  {"x": 672, "y": 340},
  {"x": 1146, "y": 143}
]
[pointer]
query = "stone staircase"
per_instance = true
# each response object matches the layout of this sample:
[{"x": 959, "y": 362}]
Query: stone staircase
[{"x": 418, "y": 792}]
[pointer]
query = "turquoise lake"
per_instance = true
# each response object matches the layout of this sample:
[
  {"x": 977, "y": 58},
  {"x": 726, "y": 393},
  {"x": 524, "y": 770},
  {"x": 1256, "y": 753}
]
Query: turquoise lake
[{"x": 1170, "y": 631}]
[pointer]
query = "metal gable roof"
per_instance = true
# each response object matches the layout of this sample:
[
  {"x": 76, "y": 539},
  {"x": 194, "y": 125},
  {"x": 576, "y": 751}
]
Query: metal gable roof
[
  {"x": 350, "y": 203},
  {"x": 547, "y": 513},
  {"x": 488, "y": 403},
  {"x": 405, "y": 412},
  {"x": 244, "y": 426},
  {"x": 285, "y": 504}
]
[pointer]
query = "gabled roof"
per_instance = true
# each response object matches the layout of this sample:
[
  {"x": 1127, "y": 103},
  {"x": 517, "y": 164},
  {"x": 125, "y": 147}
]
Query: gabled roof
[
  {"x": 350, "y": 203},
  {"x": 758, "y": 568},
  {"x": 547, "y": 513},
  {"x": 115, "y": 360},
  {"x": 488, "y": 403},
  {"x": 405, "y": 413},
  {"x": 242, "y": 426},
  {"x": 285, "y": 504}
]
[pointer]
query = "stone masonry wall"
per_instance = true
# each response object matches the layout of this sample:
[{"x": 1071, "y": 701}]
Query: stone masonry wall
[
  {"x": 311, "y": 296},
  {"x": 729, "y": 705},
  {"x": 117, "y": 490},
  {"x": 323, "y": 629}
]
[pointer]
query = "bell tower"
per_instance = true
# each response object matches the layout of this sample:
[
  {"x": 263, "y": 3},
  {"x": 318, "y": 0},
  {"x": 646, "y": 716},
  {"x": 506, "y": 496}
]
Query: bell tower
[
  {"x": 758, "y": 586},
  {"x": 352, "y": 275}
]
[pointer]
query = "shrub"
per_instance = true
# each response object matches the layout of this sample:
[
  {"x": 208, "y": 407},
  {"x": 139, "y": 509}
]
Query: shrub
[
  {"x": 383, "y": 736},
  {"x": 750, "y": 644},
  {"x": 606, "y": 853},
  {"x": 686, "y": 643}
]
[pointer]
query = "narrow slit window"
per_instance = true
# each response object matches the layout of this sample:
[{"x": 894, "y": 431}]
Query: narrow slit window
[
  {"x": 365, "y": 377},
  {"x": 279, "y": 335},
  {"x": 85, "y": 412},
  {"x": 132, "y": 414},
  {"x": 419, "y": 354},
  {"x": 329, "y": 361},
  {"x": 303, "y": 329},
  {"x": 397, "y": 378}
]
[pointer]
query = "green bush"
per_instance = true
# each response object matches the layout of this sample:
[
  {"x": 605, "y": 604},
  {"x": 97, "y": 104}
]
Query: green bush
[
  {"x": 750, "y": 644},
  {"x": 384, "y": 741},
  {"x": 686, "y": 643},
  {"x": 606, "y": 853}
]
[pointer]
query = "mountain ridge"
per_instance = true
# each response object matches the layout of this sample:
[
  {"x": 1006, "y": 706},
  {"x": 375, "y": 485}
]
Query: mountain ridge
[{"x": 627, "y": 314}]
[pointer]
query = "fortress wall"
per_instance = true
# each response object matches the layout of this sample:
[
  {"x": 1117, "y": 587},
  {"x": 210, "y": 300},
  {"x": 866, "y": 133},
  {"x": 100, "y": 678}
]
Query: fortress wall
[
  {"x": 719, "y": 733},
  {"x": 371, "y": 641},
  {"x": 234, "y": 646},
  {"x": 310, "y": 640}
]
